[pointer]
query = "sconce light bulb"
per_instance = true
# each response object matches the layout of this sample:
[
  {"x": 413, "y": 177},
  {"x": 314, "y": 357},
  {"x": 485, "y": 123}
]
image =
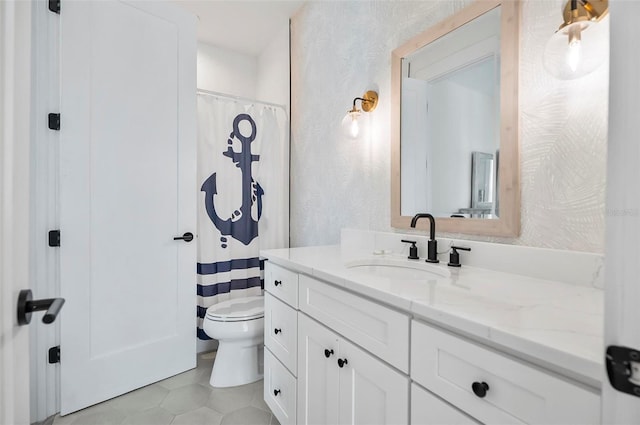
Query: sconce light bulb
[
  {"x": 577, "y": 49},
  {"x": 354, "y": 128},
  {"x": 574, "y": 52},
  {"x": 350, "y": 125}
]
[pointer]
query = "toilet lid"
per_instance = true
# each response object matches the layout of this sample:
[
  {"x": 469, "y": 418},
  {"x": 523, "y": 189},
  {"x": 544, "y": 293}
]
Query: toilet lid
[{"x": 237, "y": 309}]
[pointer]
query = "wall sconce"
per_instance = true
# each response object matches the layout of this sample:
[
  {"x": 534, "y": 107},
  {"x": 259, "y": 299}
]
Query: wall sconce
[
  {"x": 581, "y": 44},
  {"x": 350, "y": 125}
]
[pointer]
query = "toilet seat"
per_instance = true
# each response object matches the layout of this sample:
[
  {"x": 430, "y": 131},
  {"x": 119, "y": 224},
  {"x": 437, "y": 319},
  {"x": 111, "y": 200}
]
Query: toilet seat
[{"x": 237, "y": 310}]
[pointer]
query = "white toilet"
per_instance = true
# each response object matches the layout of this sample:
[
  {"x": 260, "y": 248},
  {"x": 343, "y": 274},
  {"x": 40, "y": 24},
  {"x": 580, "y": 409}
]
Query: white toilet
[{"x": 238, "y": 325}]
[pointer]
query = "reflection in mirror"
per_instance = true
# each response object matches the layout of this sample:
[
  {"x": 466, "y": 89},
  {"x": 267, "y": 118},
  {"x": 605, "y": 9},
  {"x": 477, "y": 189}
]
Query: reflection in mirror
[
  {"x": 483, "y": 183},
  {"x": 454, "y": 123},
  {"x": 450, "y": 105}
]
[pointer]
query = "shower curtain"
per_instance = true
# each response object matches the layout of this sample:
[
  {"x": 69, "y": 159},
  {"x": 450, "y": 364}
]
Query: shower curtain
[{"x": 243, "y": 166}]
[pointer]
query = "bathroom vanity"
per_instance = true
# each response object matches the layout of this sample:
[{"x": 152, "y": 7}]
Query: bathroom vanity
[{"x": 359, "y": 334}]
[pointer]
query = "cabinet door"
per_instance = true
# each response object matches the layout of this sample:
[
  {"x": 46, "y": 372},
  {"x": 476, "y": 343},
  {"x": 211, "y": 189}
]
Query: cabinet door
[
  {"x": 515, "y": 392},
  {"x": 279, "y": 390},
  {"x": 281, "y": 331},
  {"x": 427, "y": 409},
  {"x": 370, "y": 391},
  {"x": 282, "y": 283},
  {"x": 374, "y": 327},
  {"x": 317, "y": 373}
]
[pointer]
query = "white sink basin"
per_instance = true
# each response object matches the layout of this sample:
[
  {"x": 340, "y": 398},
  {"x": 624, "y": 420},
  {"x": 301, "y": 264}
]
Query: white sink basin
[{"x": 398, "y": 268}]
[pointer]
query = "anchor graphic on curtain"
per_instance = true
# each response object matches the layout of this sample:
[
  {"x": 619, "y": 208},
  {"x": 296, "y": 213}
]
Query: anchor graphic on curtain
[{"x": 240, "y": 226}]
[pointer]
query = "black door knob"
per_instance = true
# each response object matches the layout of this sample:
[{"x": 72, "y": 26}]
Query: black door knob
[
  {"x": 328, "y": 353},
  {"x": 276, "y": 392},
  {"x": 480, "y": 388},
  {"x": 27, "y": 305},
  {"x": 342, "y": 362},
  {"x": 187, "y": 237},
  {"x": 277, "y": 330},
  {"x": 277, "y": 282}
]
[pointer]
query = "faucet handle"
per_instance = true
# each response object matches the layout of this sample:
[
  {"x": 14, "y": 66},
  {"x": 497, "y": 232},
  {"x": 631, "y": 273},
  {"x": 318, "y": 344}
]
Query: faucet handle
[
  {"x": 454, "y": 257},
  {"x": 413, "y": 250}
]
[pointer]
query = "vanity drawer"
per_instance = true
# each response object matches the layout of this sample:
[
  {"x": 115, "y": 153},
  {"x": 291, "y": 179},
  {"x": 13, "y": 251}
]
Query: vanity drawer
[
  {"x": 281, "y": 331},
  {"x": 279, "y": 390},
  {"x": 517, "y": 392},
  {"x": 282, "y": 283},
  {"x": 427, "y": 409},
  {"x": 378, "y": 329}
]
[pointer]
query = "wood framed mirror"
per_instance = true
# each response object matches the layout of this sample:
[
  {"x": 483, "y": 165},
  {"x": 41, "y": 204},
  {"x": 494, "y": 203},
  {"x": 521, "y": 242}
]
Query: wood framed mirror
[{"x": 454, "y": 123}]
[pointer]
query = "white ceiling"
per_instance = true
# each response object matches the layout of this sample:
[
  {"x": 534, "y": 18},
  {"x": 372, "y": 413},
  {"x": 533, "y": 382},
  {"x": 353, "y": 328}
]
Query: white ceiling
[{"x": 245, "y": 26}]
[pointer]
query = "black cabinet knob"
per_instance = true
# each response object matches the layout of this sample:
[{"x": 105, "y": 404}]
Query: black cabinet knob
[
  {"x": 187, "y": 237},
  {"x": 342, "y": 362},
  {"x": 480, "y": 388},
  {"x": 277, "y": 282},
  {"x": 328, "y": 353},
  {"x": 277, "y": 331},
  {"x": 276, "y": 392}
]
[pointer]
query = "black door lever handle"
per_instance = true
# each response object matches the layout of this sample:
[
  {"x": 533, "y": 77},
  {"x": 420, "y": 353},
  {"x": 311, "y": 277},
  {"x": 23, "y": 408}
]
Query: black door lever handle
[
  {"x": 27, "y": 305},
  {"x": 187, "y": 237}
]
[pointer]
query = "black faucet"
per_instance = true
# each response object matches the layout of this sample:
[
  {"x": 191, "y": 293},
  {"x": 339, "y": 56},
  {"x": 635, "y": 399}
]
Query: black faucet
[{"x": 432, "y": 245}]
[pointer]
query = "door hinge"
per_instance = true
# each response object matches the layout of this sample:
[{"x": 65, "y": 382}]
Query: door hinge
[
  {"x": 623, "y": 369},
  {"x": 54, "y": 6},
  {"x": 54, "y": 237},
  {"x": 54, "y": 121},
  {"x": 54, "y": 354}
]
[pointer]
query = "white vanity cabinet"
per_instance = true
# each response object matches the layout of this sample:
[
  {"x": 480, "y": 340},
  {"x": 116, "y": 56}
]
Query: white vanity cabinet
[
  {"x": 339, "y": 383},
  {"x": 336, "y": 357}
]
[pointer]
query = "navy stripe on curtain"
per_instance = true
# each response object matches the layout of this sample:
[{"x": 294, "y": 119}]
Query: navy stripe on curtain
[
  {"x": 226, "y": 287},
  {"x": 225, "y": 266}
]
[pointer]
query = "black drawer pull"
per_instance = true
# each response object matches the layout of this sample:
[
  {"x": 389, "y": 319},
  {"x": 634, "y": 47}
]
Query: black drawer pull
[
  {"x": 276, "y": 392},
  {"x": 277, "y": 282},
  {"x": 480, "y": 388},
  {"x": 277, "y": 331},
  {"x": 342, "y": 362},
  {"x": 328, "y": 353}
]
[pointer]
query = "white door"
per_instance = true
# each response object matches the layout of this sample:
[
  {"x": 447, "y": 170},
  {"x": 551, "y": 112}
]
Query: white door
[
  {"x": 15, "y": 64},
  {"x": 317, "y": 373},
  {"x": 622, "y": 268},
  {"x": 370, "y": 391},
  {"x": 127, "y": 187}
]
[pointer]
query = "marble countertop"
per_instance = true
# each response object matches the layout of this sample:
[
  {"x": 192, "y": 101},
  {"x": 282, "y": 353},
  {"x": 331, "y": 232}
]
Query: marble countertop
[{"x": 553, "y": 324}]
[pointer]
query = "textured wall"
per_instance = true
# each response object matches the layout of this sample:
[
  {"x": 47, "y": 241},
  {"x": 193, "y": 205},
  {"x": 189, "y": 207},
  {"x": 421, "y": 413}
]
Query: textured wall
[{"x": 341, "y": 49}]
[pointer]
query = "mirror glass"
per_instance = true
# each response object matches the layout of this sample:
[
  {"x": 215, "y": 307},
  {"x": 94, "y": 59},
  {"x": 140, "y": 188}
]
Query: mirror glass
[
  {"x": 454, "y": 123},
  {"x": 450, "y": 123}
]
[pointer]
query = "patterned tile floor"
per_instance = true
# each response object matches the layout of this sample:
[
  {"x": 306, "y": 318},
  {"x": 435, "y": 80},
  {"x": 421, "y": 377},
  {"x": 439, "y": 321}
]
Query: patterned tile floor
[{"x": 185, "y": 399}]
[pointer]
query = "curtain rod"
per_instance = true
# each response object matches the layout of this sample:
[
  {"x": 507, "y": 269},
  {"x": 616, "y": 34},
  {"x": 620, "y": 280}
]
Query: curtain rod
[{"x": 229, "y": 96}]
